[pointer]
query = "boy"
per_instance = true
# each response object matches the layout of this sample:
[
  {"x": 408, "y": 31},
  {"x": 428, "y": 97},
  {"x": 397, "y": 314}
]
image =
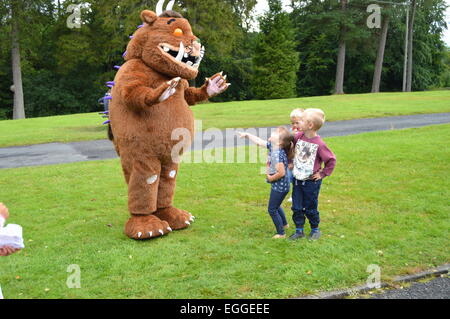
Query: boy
[
  {"x": 310, "y": 153},
  {"x": 295, "y": 119},
  {"x": 295, "y": 122}
]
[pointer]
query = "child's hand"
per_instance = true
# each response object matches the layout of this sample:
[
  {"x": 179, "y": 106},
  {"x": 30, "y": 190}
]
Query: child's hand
[
  {"x": 290, "y": 166},
  {"x": 242, "y": 134},
  {"x": 4, "y": 211},
  {"x": 6, "y": 251},
  {"x": 269, "y": 178},
  {"x": 316, "y": 177}
]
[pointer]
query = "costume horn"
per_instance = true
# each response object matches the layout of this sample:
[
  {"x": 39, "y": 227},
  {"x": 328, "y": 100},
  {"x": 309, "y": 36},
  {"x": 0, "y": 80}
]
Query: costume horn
[
  {"x": 159, "y": 6},
  {"x": 170, "y": 5}
]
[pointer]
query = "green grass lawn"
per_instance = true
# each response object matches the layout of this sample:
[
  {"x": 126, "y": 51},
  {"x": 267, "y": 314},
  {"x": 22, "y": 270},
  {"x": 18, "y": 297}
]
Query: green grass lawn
[
  {"x": 246, "y": 114},
  {"x": 386, "y": 204}
]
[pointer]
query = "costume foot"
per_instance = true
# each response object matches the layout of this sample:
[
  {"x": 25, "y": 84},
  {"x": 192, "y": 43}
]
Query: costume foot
[
  {"x": 145, "y": 227},
  {"x": 177, "y": 218}
]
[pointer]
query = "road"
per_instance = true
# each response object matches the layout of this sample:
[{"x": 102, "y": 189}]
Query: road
[
  {"x": 59, "y": 153},
  {"x": 438, "y": 288}
]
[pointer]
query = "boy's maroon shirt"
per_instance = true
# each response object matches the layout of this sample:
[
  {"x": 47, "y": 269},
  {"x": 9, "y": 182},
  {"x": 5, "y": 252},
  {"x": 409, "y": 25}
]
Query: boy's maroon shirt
[{"x": 324, "y": 154}]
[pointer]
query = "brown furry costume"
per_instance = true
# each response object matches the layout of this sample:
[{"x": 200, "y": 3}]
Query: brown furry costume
[{"x": 151, "y": 99}]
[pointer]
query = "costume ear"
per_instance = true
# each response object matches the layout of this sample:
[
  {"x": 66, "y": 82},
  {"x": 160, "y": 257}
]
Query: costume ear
[{"x": 148, "y": 17}]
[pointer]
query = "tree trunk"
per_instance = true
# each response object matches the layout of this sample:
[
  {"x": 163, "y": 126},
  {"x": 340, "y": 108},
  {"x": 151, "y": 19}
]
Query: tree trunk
[
  {"x": 410, "y": 48},
  {"x": 19, "y": 109},
  {"x": 380, "y": 57},
  {"x": 340, "y": 68}
]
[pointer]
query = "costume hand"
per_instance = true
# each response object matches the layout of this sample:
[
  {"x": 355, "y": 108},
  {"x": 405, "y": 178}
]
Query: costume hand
[
  {"x": 316, "y": 177},
  {"x": 217, "y": 84},
  {"x": 6, "y": 251},
  {"x": 170, "y": 90}
]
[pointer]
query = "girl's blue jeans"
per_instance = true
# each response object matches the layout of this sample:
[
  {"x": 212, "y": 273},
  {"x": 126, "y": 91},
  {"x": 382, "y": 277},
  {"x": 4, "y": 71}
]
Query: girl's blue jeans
[{"x": 276, "y": 211}]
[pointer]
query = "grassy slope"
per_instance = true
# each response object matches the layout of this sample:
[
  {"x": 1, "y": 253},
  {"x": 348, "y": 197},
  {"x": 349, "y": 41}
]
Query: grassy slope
[
  {"x": 81, "y": 127},
  {"x": 386, "y": 204}
]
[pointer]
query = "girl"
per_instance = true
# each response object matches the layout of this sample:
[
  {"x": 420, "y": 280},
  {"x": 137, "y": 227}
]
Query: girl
[{"x": 281, "y": 150}]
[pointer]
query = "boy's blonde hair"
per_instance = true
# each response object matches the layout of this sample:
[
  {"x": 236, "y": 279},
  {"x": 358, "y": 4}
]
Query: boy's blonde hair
[
  {"x": 297, "y": 113},
  {"x": 316, "y": 117}
]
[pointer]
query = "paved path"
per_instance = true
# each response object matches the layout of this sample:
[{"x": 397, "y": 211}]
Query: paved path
[
  {"x": 58, "y": 153},
  {"x": 438, "y": 288}
]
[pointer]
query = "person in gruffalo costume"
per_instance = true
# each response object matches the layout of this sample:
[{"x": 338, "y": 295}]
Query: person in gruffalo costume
[{"x": 150, "y": 100}]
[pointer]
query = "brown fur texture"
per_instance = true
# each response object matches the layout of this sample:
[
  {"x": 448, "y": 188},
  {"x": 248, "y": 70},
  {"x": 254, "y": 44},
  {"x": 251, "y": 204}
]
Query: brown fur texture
[{"x": 142, "y": 125}]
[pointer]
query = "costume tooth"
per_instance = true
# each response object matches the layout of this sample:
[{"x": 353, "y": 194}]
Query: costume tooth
[{"x": 181, "y": 52}]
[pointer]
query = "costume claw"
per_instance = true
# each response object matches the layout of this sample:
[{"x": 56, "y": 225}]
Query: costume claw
[
  {"x": 187, "y": 223},
  {"x": 150, "y": 233},
  {"x": 161, "y": 232},
  {"x": 139, "y": 235},
  {"x": 169, "y": 229}
]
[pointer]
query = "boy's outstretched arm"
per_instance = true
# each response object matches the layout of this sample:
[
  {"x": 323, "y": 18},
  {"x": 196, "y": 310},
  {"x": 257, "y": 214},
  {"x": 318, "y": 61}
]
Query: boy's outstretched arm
[{"x": 255, "y": 139}]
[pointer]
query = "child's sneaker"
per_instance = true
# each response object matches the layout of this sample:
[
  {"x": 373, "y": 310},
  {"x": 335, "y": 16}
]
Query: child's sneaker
[
  {"x": 314, "y": 235},
  {"x": 297, "y": 235}
]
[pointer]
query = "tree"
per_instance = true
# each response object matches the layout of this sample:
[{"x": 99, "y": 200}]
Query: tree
[
  {"x": 380, "y": 56},
  {"x": 340, "y": 68},
  {"x": 19, "y": 107},
  {"x": 275, "y": 60},
  {"x": 409, "y": 70}
]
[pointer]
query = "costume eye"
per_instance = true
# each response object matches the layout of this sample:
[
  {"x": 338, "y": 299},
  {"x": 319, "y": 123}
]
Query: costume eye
[{"x": 178, "y": 32}]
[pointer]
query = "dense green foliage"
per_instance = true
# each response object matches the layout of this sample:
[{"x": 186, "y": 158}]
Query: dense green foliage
[
  {"x": 64, "y": 69},
  {"x": 275, "y": 60}
]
